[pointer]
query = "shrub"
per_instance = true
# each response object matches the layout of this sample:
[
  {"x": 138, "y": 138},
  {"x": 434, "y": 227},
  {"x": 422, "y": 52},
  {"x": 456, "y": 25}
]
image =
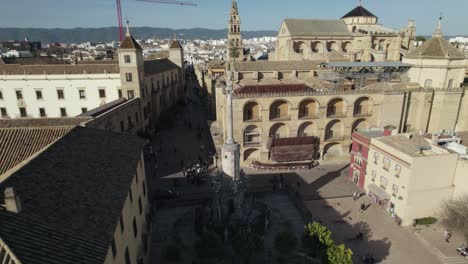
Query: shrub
[
  {"x": 426, "y": 221},
  {"x": 286, "y": 242}
]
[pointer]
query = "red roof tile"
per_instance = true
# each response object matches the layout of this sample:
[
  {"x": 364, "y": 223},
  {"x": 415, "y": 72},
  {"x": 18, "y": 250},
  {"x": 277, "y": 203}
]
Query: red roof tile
[{"x": 272, "y": 88}]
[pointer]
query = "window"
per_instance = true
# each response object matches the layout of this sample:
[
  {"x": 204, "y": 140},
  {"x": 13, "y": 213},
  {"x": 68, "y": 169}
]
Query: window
[
  {"x": 23, "y": 112},
  {"x": 4, "y": 112},
  {"x": 386, "y": 164},
  {"x": 102, "y": 93},
  {"x": 122, "y": 227},
  {"x": 39, "y": 95},
  {"x": 82, "y": 94},
  {"x": 130, "y": 94},
  {"x": 376, "y": 158},
  {"x": 114, "y": 249},
  {"x": 130, "y": 194},
  {"x": 394, "y": 190},
  {"x": 397, "y": 170},
  {"x": 120, "y": 93},
  {"x": 137, "y": 118},
  {"x": 127, "y": 59},
  {"x": 60, "y": 94},
  {"x": 357, "y": 160},
  {"x": 84, "y": 110},
  {"x": 130, "y": 125},
  {"x": 135, "y": 230},
  {"x": 374, "y": 175},
  {"x": 359, "y": 148},
  {"x": 144, "y": 189},
  {"x": 127, "y": 256},
  {"x": 428, "y": 83},
  {"x": 140, "y": 206},
  {"x": 128, "y": 77},
  {"x": 383, "y": 182},
  {"x": 1, "y": 95},
  {"x": 63, "y": 112},
  {"x": 122, "y": 126},
  {"x": 450, "y": 83},
  {"x": 42, "y": 112},
  {"x": 19, "y": 94}
]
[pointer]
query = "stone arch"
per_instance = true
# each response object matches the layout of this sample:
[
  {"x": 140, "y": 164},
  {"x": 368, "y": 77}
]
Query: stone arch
[
  {"x": 316, "y": 46},
  {"x": 362, "y": 106},
  {"x": 332, "y": 46},
  {"x": 360, "y": 124},
  {"x": 332, "y": 150},
  {"x": 252, "y": 111},
  {"x": 251, "y": 154},
  {"x": 279, "y": 109},
  {"x": 279, "y": 130},
  {"x": 346, "y": 46},
  {"x": 308, "y": 108},
  {"x": 235, "y": 28},
  {"x": 307, "y": 129},
  {"x": 334, "y": 130},
  {"x": 336, "y": 107},
  {"x": 299, "y": 47},
  {"x": 382, "y": 45},
  {"x": 252, "y": 135}
]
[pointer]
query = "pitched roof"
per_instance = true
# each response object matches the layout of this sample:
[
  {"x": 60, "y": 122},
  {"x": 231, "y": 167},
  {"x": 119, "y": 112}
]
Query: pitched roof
[
  {"x": 436, "y": 47},
  {"x": 359, "y": 11},
  {"x": 158, "y": 66},
  {"x": 175, "y": 44},
  {"x": 275, "y": 65},
  {"x": 15, "y": 69},
  {"x": 130, "y": 43},
  {"x": 42, "y": 122},
  {"x": 33, "y": 60},
  {"x": 316, "y": 27},
  {"x": 18, "y": 144},
  {"x": 72, "y": 196},
  {"x": 272, "y": 88}
]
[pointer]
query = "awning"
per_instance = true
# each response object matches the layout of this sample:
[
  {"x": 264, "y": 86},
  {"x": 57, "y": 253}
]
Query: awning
[
  {"x": 381, "y": 193},
  {"x": 292, "y": 153}
]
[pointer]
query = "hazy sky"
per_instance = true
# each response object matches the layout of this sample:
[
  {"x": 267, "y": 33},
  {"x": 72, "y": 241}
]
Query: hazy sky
[{"x": 255, "y": 14}]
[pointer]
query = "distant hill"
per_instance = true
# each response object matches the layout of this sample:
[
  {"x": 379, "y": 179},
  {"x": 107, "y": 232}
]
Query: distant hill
[{"x": 78, "y": 35}]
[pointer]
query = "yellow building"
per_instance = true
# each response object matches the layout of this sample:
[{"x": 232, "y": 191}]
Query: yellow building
[
  {"x": 75, "y": 195},
  {"x": 410, "y": 175}
]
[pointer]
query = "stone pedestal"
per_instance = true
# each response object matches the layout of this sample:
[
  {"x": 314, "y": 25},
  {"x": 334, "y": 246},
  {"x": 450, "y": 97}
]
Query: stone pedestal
[{"x": 230, "y": 160}]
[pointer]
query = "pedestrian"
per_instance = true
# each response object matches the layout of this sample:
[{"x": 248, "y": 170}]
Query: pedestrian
[
  {"x": 447, "y": 236},
  {"x": 354, "y": 195},
  {"x": 363, "y": 207}
]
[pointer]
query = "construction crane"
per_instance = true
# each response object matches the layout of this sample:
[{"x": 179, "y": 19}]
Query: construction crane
[{"x": 119, "y": 11}]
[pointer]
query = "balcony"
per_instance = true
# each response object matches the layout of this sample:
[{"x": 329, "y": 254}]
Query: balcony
[
  {"x": 253, "y": 120},
  {"x": 309, "y": 117},
  {"x": 335, "y": 138},
  {"x": 336, "y": 115},
  {"x": 279, "y": 118},
  {"x": 362, "y": 113},
  {"x": 252, "y": 144}
]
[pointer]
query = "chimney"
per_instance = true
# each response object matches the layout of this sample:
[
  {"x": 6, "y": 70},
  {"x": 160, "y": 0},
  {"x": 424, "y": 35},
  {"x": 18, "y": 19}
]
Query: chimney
[
  {"x": 12, "y": 201},
  {"x": 388, "y": 130}
]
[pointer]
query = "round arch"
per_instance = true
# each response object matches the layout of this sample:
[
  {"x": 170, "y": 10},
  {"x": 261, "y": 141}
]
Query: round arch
[
  {"x": 334, "y": 130},
  {"x": 252, "y": 110},
  {"x": 279, "y": 130},
  {"x": 360, "y": 124},
  {"x": 307, "y": 129},
  {"x": 362, "y": 106},
  {"x": 279, "y": 109},
  {"x": 336, "y": 107},
  {"x": 308, "y": 108},
  {"x": 251, "y": 135},
  {"x": 332, "y": 150},
  {"x": 251, "y": 154}
]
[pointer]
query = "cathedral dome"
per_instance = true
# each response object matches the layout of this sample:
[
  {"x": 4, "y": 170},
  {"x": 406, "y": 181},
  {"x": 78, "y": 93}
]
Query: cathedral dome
[{"x": 359, "y": 11}]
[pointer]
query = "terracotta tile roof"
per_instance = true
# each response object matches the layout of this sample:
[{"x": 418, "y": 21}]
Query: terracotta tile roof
[
  {"x": 316, "y": 27},
  {"x": 273, "y": 88},
  {"x": 276, "y": 65},
  {"x": 158, "y": 66},
  {"x": 436, "y": 47},
  {"x": 18, "y": 144},
  {"x": 359, "y": 11},
  {"x": 16, "y": 69},
  {"x": 42, "y": 122},
  {"x": 72, "y": 196},
  {"x": 43, "y": 60},
  {"x": 130, "y": 43}
]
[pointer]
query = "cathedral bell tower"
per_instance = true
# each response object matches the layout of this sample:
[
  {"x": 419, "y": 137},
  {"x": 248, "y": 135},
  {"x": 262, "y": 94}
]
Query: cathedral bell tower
[{"x": 234, "y": 35}]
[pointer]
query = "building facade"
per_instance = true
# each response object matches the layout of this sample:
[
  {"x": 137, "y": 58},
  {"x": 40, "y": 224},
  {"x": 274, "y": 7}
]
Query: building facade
[{"x": 357, "y": 36}]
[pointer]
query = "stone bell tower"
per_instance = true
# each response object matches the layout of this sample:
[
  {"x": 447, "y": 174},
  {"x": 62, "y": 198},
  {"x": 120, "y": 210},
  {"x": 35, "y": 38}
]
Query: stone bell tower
[{"x": 234, "y": 33}]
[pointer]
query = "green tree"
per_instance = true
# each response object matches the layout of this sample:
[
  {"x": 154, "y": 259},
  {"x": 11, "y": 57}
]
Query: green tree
[
  {"x": 420, "y": 38},
  {"x": 286, "y": 242},
  {"x": 319, "y": 231},
  {"x": 339, "y": 255},
  {"x": 247, "y": 244},
  {"x": 209, "y": 246}
]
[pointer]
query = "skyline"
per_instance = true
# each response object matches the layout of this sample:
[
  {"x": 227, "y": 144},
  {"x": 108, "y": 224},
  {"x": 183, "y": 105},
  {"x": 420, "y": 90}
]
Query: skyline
[{"x": 213, "y": 14}]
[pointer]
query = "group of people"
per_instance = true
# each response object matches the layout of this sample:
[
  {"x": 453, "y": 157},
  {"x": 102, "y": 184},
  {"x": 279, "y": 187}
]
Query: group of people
[{"x": 196, "y": 173}]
